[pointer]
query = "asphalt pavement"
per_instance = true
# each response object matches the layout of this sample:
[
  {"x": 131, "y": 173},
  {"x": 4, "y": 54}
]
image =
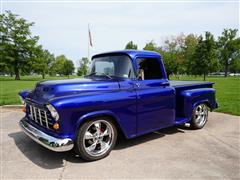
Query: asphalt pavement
[{"x": 173, "y": 153}]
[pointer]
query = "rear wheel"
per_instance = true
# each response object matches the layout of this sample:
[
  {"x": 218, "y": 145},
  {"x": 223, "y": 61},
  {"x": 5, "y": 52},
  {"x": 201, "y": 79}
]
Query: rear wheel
[
  {"x": 199, "y": 116},
  {"x": 96, "y": 138}
]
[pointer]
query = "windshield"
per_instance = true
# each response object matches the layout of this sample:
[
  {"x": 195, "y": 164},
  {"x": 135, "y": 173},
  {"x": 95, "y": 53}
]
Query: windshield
[{"x": 113, "y": 66}]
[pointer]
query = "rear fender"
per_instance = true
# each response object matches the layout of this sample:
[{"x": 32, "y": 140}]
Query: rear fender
[{"x": 194, "y": 97}]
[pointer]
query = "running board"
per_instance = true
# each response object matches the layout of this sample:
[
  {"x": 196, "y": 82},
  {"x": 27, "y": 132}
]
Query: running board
[{"x": 181, "y": 120}]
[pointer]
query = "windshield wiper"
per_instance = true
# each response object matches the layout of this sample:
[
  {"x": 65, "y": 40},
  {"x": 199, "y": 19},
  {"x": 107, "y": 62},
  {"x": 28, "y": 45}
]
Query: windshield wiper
[
  {"x": 91, "y": 74},
  {"x": 103, "y": 74}
]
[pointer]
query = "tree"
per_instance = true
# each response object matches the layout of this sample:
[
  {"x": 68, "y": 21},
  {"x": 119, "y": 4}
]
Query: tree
[
  {"x": 42, "y": 61},
  {"x": 151, "y": 46},
  {"x": 17, "y": 43},
  {"x": 228, "y": 45},
  {"x": 205, "y": 57},
  {"x": 68, "y": 68},
  {"x": 82, "y": 70},
  {"x": 58, "y": 65},
  {"x": 173, "y": 55},
  {"x": 131, "y": 45},
  {"x": 235, "y": 66},
  {"x": 191, "y": 42},
  {"x": 62, "y": 66}
]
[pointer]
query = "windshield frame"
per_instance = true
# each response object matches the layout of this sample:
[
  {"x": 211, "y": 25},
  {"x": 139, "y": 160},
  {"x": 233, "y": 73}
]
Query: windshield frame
[{"x": 113, "y": 76}]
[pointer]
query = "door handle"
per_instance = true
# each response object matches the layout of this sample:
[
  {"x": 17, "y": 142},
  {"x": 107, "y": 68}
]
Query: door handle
[{"x": 165, "y": 84}]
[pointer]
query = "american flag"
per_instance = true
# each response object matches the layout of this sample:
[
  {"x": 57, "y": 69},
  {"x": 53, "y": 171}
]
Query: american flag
[{"x": 90, "y": 37}]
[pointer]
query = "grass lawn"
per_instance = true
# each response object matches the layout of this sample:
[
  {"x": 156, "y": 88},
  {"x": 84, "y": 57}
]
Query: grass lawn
[
  {"x": 228, "y": 90},
  {"x": 9, "y": 87}
]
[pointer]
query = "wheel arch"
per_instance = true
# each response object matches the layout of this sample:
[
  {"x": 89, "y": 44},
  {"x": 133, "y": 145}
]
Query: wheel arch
[
  {"x": 193, "y": 97},
  {"x": 97, "y": 114},
  {"x": 205, "y": 101}
]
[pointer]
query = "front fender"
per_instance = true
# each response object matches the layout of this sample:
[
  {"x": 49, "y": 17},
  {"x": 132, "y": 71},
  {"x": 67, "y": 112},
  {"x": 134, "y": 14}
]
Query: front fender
[
  {"x": 74, "y": 110},
  {"x": 101, "y": 113},
  {"x": 24, "y": 93}
]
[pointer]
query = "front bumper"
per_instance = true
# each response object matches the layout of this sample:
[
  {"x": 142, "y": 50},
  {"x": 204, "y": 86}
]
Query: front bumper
[{"x": 50, "y": 142}]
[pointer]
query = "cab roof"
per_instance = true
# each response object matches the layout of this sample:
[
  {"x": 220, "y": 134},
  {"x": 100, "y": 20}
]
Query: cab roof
[{"x": 131, "y": 53}]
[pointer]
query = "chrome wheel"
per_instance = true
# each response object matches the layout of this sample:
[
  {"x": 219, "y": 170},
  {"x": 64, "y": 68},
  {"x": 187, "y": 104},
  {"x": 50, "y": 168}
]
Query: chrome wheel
[
  {"x": 200, "y": 115},
  {"x": 98, "y": 138}
]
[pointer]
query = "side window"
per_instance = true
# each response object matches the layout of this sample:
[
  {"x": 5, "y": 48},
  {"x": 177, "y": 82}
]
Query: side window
[{"x": 150, "y": 67}]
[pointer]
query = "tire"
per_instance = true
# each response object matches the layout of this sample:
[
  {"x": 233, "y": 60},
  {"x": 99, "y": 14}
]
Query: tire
[
  {"x": 95, "y": 139},
  {"x": 199, "y": 116}
]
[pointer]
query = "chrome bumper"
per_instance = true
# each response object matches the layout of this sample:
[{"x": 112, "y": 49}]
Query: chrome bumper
[{"x": 50, "y": 142}]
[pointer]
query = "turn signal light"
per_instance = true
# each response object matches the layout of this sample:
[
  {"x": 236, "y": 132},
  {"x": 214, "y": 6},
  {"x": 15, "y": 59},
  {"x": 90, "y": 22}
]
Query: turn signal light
[
  {"x": 24, "y": 109},
  {"x": 56, "y": 126}
]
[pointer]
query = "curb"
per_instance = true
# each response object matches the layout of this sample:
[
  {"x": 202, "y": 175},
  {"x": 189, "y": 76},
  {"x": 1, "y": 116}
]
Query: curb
[{"x": 11, "y": 106}]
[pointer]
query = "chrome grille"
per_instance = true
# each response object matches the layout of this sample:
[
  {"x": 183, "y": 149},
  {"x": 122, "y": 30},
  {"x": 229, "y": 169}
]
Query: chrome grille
[{"x": 40, "y": 116}]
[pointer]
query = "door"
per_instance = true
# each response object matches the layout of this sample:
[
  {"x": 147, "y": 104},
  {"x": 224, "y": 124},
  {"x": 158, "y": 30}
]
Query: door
[{"x": 155, "y": 98}]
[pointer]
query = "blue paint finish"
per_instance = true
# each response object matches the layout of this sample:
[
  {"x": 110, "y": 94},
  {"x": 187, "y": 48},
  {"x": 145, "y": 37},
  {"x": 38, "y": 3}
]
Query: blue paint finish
[
  {"x": 137, "y": 106},
  {"x": 193, "y": 97},
  {"x": 24, "y": 94}
]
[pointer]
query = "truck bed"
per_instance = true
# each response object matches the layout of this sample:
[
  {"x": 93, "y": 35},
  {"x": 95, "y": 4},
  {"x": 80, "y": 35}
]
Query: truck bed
[{"x": 190, "y": 84}]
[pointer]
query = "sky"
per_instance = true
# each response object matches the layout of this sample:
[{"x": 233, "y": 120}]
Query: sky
[{"x": 63, "y": 25}]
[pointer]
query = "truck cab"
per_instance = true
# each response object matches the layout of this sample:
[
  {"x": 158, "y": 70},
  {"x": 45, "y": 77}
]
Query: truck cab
[{"x": 125, "y": 91}]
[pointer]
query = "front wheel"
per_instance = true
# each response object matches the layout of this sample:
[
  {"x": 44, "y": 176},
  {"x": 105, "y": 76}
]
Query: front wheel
[
  {"x": 95, "y": 139},
  {"x": 199, "y": 116}
]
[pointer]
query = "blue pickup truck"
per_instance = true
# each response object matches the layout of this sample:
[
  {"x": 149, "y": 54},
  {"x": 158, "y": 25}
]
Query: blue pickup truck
[{"x": 125, "y": 92}]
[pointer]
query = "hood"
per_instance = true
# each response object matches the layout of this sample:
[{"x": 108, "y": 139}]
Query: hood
[{"x": 47, "y": 90}]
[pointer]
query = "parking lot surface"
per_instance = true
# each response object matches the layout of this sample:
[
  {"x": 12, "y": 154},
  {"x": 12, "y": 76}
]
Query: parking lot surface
[{"x": 177, "y": 152}]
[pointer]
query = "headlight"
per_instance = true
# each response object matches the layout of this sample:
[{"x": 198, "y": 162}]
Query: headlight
[
  {"x": 21, "y": 99},
  {"x": 53, "y": 112}
]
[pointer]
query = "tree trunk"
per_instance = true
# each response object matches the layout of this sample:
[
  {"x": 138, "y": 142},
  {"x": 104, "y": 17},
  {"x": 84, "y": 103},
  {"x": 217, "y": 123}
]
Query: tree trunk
[
  {"x": 68, "y": 76},
  {"x": 43, "y": 75},
  {"x": 204, "y": 77},
  {"x": 17, "y": 75},
  {"x": 226, "y": 69}
]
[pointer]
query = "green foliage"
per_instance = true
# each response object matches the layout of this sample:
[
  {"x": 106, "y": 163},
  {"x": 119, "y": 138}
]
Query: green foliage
[
  {"x": 17, "y": 43},
  {"x": 68, "y": 68},
  {"x": 193, "y": 55},
  {"x": 131, "y": 45},
  {"x": 42, "y": 61},
  {"x": 151, "y": 46},
  {"x": 62, "y": 66},
  {"x": 229, "y": 48},
  {"x": 188, "y": 54},
  {"x": 58, "y": 65},
  {"x": 205, "y": 57},
  {"x": 235, "y": 66},
  {"x": 189, "y": 48},
  {"x": 82, "y": 70},
  {"x": 173, "y": 55}
]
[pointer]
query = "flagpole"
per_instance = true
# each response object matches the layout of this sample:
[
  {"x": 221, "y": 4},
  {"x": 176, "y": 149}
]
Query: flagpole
[{"x": 88, "y": 43}]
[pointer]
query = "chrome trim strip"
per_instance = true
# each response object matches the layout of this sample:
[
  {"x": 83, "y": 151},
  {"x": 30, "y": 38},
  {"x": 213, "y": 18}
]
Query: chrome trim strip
[
  {"x": 46, "y": 118},
  {"x": 50, "y": 142},
  {"x": 40, "y": 117},
  {"x": 31, "y": 111},
  {"x": 35, "y": 114}
]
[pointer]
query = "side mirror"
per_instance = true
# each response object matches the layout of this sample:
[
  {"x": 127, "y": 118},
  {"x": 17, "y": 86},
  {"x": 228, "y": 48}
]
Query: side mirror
[{"x": 141, "y": 74}]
